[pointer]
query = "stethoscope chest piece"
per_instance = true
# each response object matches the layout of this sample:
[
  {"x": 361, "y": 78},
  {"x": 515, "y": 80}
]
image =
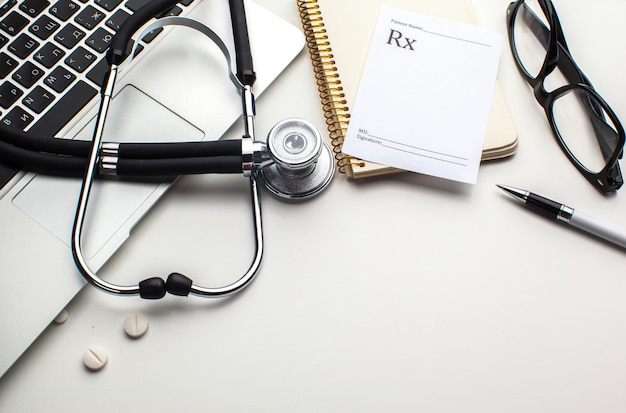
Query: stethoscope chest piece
[{"x": 303, "y": 162}]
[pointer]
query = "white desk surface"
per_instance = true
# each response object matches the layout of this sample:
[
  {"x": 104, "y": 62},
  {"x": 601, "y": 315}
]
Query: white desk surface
[{"x": 400, "y": 294}]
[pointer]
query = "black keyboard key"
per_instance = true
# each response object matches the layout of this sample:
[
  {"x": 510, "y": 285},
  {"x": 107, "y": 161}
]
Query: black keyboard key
[
  {"x": 7, "y": 64},
  {"x": 89, "y": 17},
  {"x": 3, "y": 40},
  {"x": 59, "y": 79},
  {"x": 149, "y": 37},
  {"x": 69, "y": 36},
  {"x": 117, "y": 19},
  {"x": 81, "y": 59},
  {"x": 49, "y": 55},
  {"x": 99, "y": 40},
  {"x": 108, "y": 5},
  {"x": 38, "y": 99},
  {"x": 135, "y": 5},
  {"x": 6, "y": 6},
  {"x": 99, "y": 72},
  {"x": 23, "y": 46},
  {"x": 28, "y": 74},
  {"x": 64, "y": 9},
  {"x": 72, "y": 101},
  {"x": 13, "y": 23},
  {"x": 34, "y": 7},
  {"x": 44, "y": 27},
  {"x": 9, "y": 94},
  {"x": 174, "y": 11},
  {"x": 17, "y": 118}
]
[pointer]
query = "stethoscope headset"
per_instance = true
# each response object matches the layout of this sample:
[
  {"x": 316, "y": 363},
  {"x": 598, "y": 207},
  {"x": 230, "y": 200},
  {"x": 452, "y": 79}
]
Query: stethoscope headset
[{"x": 294, "y": 164}]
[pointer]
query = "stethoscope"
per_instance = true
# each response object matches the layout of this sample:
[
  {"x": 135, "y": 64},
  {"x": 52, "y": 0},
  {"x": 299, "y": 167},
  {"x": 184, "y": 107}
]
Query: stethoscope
[{"x": 295, "y": 163}]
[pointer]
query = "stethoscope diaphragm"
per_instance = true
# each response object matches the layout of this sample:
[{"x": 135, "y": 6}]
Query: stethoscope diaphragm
[{"x": 303, "y": 162}]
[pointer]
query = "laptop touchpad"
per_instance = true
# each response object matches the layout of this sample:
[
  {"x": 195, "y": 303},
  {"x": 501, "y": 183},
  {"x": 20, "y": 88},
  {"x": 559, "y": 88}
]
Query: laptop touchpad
[{"x": 114, "y": 207}]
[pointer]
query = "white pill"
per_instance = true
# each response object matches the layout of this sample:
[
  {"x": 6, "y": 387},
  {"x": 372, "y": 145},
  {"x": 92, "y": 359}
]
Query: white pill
[
  {"x": 136, "y": 325},
  {"x": 95, "y": 358},
  {"x": 61, "y": 317}
]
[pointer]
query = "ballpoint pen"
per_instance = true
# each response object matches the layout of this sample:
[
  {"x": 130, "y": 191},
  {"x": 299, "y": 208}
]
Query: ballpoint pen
[{"x": 566, "y": 214}]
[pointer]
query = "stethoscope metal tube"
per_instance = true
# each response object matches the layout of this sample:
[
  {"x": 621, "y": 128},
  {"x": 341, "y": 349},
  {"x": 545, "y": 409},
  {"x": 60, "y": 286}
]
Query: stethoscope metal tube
[
  {"x": 250, "y": 156},
  {"x": 81, "y": 210}
]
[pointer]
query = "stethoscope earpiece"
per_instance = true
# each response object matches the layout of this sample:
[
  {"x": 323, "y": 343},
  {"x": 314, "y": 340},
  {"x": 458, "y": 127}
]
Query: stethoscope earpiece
[{"x": 303, "y": 163}]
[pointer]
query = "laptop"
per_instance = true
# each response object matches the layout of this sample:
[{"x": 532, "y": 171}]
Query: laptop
[{"x": 175, "y": 89}]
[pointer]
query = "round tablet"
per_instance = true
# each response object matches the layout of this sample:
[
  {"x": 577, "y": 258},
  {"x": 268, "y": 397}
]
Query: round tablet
[
  {"x": 95, "y": 358},
  {"x": 136, "y": 325}
]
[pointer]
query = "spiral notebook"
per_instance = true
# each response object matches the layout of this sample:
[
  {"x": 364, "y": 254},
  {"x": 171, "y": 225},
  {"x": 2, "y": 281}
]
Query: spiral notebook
[{"x": 338, "y": 38}]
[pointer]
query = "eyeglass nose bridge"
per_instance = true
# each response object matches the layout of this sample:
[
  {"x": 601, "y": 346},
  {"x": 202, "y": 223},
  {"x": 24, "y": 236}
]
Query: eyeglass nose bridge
[{"x": 541, "y": 93}]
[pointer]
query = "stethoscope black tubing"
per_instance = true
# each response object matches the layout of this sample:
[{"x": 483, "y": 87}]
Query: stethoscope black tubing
[
  {"x": 46, "y": 144},
  {"x": 132, "y": 150},
  {"x": 41, "y": 162},
  {"x": 45, "y": 155},
  {"x": 218, "y": 161},
  {"x": 178, "y": 166},
  {"x": 243, "y": 53},
  {"x": 155, "y": 150}
]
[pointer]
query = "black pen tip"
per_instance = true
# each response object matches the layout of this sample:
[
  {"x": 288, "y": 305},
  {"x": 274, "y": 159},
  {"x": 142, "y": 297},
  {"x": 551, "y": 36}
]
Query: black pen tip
[{"x": 505, "y": 188}]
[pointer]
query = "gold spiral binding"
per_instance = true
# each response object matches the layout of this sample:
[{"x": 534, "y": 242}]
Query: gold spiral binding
[{"x": 333, "y": 100}]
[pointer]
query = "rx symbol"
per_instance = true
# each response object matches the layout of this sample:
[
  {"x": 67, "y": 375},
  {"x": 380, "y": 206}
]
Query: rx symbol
[{"x": 396, "y": 36}]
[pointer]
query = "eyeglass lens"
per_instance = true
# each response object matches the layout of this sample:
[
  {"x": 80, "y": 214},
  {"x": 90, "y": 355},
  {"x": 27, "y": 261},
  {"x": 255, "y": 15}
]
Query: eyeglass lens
[
  {"x": 579, "y": 118},
  {"x": 585, "y": 128},
  {"x": 530, "y": 35}
]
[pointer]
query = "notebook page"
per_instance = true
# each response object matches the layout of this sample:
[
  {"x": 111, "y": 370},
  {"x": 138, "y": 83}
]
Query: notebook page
[{"x": 425, "y": 95}]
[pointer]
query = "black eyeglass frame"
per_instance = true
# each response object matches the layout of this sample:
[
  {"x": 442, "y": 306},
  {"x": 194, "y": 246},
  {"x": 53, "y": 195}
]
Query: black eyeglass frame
[{"x": 608, "y": 179}]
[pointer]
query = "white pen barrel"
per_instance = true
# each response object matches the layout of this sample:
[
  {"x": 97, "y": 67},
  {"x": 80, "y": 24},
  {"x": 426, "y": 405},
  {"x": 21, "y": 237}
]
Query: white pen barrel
[{"x": 595, "y": 227}]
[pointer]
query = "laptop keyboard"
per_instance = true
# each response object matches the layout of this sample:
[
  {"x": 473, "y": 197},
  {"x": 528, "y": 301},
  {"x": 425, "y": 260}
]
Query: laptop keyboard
[{"x": 52, "y": 59}]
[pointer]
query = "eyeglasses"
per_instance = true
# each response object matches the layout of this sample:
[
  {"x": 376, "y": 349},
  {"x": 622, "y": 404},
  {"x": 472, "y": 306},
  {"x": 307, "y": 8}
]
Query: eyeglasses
[{"x": 585, "y": 126}]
